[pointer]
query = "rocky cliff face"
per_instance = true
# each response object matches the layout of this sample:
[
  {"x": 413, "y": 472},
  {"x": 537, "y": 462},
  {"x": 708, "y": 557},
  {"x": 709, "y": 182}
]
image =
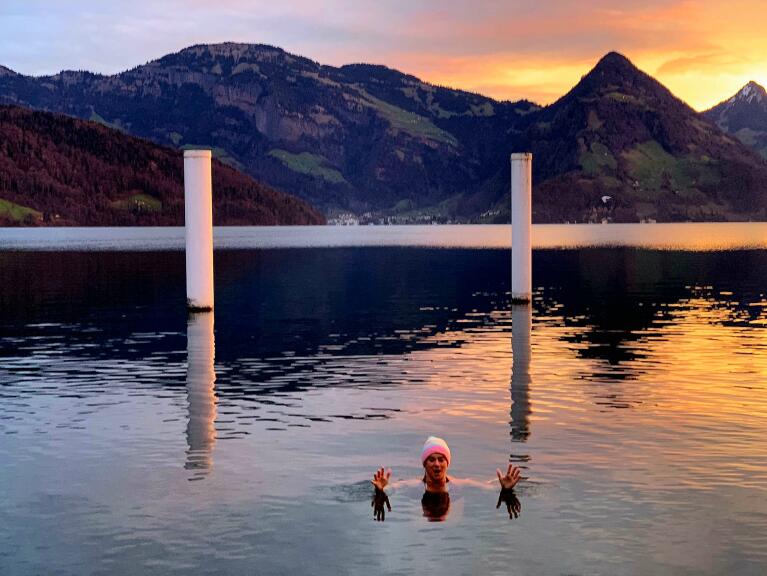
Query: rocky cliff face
[{"x": 369, "y": 139}]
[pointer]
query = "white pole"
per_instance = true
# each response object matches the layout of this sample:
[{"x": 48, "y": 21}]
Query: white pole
[
  {"x": 521, "y": 245},
  {"x": 200, "y": 390},
  {"x": 198, "y": 215}
]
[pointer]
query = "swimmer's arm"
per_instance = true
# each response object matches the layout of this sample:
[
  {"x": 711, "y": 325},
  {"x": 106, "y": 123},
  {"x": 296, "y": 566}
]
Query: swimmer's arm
[
  {"x": 410, "y": 482},
  {"x": 382, "y": 481},
  {"x": 380, "y": 498},
  {"x": 507, "y": 495},
  {"x": 473, "y": 482},
  {"x": 507, "y": 481}
]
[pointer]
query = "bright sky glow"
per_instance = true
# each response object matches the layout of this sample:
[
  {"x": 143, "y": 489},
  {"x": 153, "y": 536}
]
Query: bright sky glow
[{"x": 703, "y": 51}]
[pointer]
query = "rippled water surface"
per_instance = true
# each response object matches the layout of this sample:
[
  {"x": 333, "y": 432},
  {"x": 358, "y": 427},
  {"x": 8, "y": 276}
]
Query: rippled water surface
[{"x": 135, "y": 439}]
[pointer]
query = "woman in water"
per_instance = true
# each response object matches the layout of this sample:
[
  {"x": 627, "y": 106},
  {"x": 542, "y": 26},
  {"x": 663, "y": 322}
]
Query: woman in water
[{"x": 435, "y": 457}]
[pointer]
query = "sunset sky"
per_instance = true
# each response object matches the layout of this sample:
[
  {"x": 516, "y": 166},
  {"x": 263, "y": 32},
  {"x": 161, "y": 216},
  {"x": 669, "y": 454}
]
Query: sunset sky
[{"x": 704, "y": 51}]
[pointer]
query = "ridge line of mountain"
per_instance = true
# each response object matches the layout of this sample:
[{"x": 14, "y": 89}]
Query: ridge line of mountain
[{"x": 369, "y": 143}]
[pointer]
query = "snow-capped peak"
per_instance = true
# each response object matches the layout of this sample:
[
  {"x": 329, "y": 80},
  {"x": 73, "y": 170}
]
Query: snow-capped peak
[{"x": 751, "y": 92}]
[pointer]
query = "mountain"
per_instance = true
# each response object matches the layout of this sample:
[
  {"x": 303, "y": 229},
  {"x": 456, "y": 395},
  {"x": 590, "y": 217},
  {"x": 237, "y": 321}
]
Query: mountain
[
  {"x": 373, "y": 141},
  {"x": 745, "y": 116},
  {"x": 620, "y": 146},
  {"x": 58, "y": 170},
  {"x": 355, "y": 138}
]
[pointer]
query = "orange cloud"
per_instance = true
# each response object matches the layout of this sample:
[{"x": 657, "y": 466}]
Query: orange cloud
[
  {"x": 540, "y": 53},
  {"x": 712, "y": 61},
  {"x": 701, "y": 49},
  {"x": 500, "y": 76}
]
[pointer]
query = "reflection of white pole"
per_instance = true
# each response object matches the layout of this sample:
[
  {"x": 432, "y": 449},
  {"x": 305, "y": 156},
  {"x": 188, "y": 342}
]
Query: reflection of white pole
[
  {"x": 521, "y": 350},
  {"x": 198, "y": 216},
  {"x": 200, "y": 390},
  {"x": 521, "y": 208}
]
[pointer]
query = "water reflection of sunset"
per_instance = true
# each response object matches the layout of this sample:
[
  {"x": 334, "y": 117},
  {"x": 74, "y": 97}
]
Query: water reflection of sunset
[
  {"x": 695, "y": 395},
  {"x": 638, "y": 416}
]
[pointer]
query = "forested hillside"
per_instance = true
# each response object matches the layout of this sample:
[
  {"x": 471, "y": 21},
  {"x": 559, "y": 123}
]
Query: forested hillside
[{"x": 57, "y": 170}]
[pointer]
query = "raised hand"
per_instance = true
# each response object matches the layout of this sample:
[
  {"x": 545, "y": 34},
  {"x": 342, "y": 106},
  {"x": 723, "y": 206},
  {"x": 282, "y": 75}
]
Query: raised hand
[
  {"x": 510, "y": 479},
  {"x": 380, "y": 498},
  {"x": 513, "y": 505},
  {"x": 381, "y": 478}
]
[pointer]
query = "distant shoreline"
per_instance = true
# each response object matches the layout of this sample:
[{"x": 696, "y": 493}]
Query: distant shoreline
[{"x": 660, "y": 236}]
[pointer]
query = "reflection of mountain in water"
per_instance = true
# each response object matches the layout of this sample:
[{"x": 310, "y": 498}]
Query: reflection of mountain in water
[
  {"x": 200, "y": 387},
  {"x": 616, "y": 294},
  {"x": 281, "y": 312}
]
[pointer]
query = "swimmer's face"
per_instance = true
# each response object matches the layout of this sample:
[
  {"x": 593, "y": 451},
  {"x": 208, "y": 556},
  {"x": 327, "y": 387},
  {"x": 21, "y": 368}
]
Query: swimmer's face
[{"x": 436, "y": 467}]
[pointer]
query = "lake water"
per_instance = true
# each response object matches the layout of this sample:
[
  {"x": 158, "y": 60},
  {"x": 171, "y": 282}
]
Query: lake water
[{"x": 633, "y": 393}]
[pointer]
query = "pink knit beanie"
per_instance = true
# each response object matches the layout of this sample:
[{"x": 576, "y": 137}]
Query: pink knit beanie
[{"x": 434, "y": 445}]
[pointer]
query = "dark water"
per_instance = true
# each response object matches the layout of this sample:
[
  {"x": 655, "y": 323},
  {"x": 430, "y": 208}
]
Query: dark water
[{"x": 135, "y": 439}]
